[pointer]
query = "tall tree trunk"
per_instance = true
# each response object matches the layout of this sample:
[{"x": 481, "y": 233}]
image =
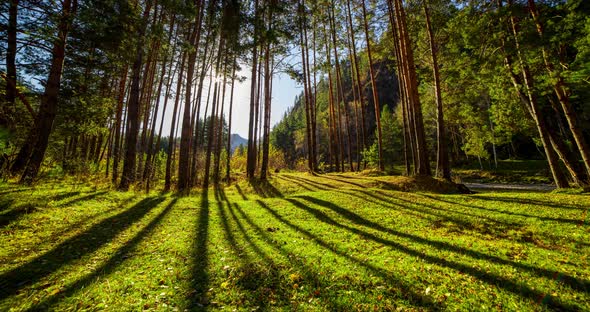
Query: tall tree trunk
[
  {"x": 341, "y": 95},
  {"x": 10, "y": 63},
  {"x": 184, "y": 159},
  {"x": 552, "y": 158},
  {"x": 197, "y": 133},
  {"x": 312, "y": 102},
  {"x": 374, "y": 89},
  {"x": 133, "y": 106},
  {"x": 443, "y": 167},
  {"x": 251, "y": 158},
  {"x": 267, "y": 101},
  {"x": 403, "y": 98},
  {"x": 231, "y": 103},
  {"x": 422, "y": 164},
  {"x": 258, "y": 112},
  {"x": 151, "y": 150},
  {"x": 172, "y": 138},
  {"x": 354, "y": 91},
  {"x": 306, "y": 93},
  {"x": 48, "y": 108},
  {"x": 118, "y": 120},
  {"x": 335, "y": 139},
  {"x": 314, "y": 138},
  {"x": 217, "y": 160},
  {"x": 360, "y": 88},
  {"x": 561, "y": 91},
  {"x": 211, "y": 133}
]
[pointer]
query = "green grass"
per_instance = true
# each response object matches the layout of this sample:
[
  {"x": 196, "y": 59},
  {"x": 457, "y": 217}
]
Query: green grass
[
  {"x": 508, "y": 171},
  {"x": 299, "y": 242}
]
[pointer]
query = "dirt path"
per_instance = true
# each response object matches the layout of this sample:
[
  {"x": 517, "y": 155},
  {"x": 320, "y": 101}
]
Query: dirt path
[{"x": 501, "y": 187}]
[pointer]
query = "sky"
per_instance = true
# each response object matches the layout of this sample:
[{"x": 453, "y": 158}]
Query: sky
[{"x": 284, "y": 91}]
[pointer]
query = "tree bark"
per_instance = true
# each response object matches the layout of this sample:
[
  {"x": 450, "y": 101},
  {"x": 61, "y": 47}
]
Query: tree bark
[
  {"x": 10, "y": 63},
  {"x": 251, "y": 157},
  {"x": 360, "y": 88},
  {"x": 561, "y": 91},
  {"x": 48, "y": 108},
  {"x": 171, "y": 138},
  {"x": 184, "y": 159},
  {"x": 133, "y": 107},
  {"x": 231, "y": 103},
  {"x": 341, "y": 96},
  {"x": 443, "y": 167},
  {"x": 552, "y": 159},
  {"x": 267, "y": 101},
  {"x": 374, "y": 89}
]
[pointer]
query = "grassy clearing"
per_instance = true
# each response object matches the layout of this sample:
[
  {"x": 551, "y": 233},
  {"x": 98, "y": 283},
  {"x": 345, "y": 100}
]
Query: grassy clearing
[{"x": 333, "y": 242}]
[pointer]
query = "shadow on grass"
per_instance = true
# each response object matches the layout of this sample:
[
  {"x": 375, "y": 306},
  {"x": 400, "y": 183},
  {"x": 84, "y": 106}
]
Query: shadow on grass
[
  {"x": 259, "y": 277},
  {"x": 561, "y": 220},
  {"x": 241, "y": 192},
  {"x": 109, "y": 266},
  {"x": 345, "y": 181},
  {"x": 502, "y": 282},
  {"x": 303, "y": 186},
  {"x": 13, "y": 190},
  {"x": 513, "y": 200},
  {"x": 87, "y": 197},
  {"x": 404, "y": 290},
  {"x": 62, "y": 196},
  {"x": 73, "y": 248},
  {"x": 314, "y": 185},
  {"x": 489, "y": 226},
  {"x": 264, "y": 188},
  {"x": 11, "y": 212},
  {"x": 575, "y": 283},
  {"x": 200, "y": 266}
]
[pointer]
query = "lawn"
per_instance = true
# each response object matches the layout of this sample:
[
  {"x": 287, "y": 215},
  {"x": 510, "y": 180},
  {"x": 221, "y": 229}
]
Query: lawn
[{"x": 298, "y": 242}]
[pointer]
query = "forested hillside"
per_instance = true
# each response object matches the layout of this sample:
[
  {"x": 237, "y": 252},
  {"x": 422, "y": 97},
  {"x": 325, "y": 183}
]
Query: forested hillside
[{"x": 512, "y": 79}]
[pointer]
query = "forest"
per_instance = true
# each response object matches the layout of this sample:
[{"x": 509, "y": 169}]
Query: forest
[{"x": 436, "y": 155}]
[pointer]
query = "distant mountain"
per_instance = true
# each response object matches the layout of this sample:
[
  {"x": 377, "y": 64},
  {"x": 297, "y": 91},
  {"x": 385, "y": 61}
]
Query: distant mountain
[{"x": 236, "y": 140}]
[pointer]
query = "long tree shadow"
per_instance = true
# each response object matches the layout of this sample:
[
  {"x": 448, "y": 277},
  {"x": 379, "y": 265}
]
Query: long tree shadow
[
  {"x": 262, "y": 279},
  {"x": 573, "y": 282},
  {"x": 62, "y": 196},
  {"x": 405, "y": 289},
  {"x": 109, "y": 266},
  {"x": 74, "y": 248},
  {"x": 303, "y": 186},
  {"x": 13, "y": 190},
  {"x": 11, "y": 212},
  {"x": 240, "y": 191},
  {"x": 200, "y": 274},
  {"x": 345, "y": 181},
  {"x": 491, "y": 226},
  {"x": 229, "y": 235},
  {"x": 502, "y": 282},
  {"x": 536, "y": 202},
  {"x": 511, "y": 213},
  {"x": 264, "y": 188},
  {"x": 310, "y": 274},
  {"x": 313, "y": 184},
  {"x": 76, "y": 225},
  {"x": 87, "y": 197}
]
